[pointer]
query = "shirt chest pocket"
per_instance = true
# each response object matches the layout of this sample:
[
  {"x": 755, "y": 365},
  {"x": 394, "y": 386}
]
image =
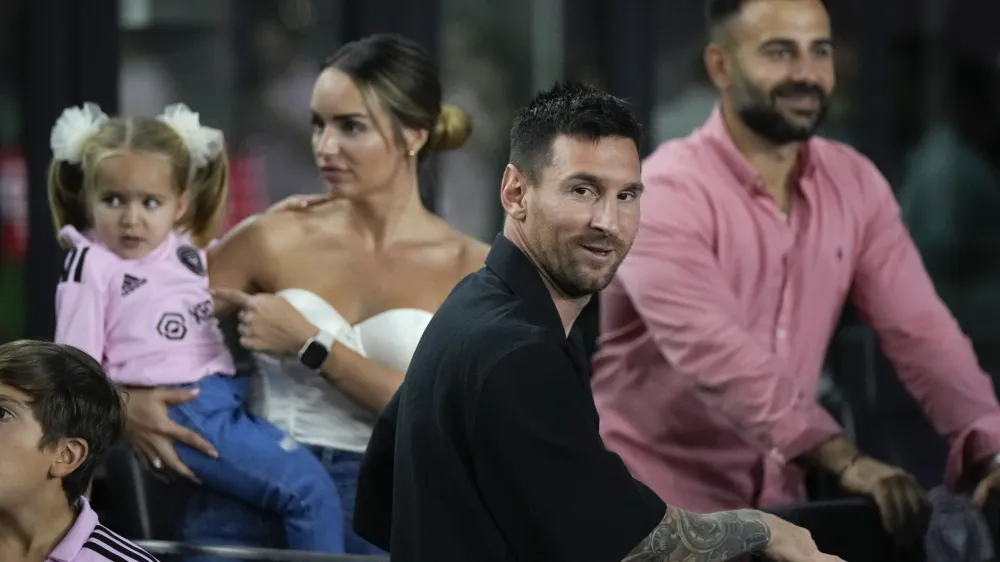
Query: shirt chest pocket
[
  {"x": 829, "y": 268},
  {"x": 755, "y": 274}
]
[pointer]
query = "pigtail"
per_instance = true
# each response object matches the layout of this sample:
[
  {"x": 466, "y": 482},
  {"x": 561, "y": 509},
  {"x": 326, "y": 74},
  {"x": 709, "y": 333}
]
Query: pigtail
[
  {"x": 207, "y": 186},
  {"x": 209, "y": 192},
  {"x": 66, "y": 197},
  {"x": 71, "y": 134}
]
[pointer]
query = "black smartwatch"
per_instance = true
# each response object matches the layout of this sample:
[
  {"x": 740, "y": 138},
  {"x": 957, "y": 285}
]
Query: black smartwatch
[{"x": 316, "y": 349}]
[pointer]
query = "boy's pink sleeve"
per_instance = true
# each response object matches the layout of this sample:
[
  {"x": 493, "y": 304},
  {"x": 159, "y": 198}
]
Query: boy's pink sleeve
[{"x": 81, "y": 301}]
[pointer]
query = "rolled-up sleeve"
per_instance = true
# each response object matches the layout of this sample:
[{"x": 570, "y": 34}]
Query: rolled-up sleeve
[
  {"x": 676, "y": 285},
  {"x": 931, "y": 355}
]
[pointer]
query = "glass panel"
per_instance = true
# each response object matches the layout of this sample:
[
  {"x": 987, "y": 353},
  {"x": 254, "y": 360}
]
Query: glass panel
[
  {"x": 491, "y": 65},
  {"x": 248, "y": 71},
  {"x": 948, "y": 129},
  {"x": 13, "y": 179}
]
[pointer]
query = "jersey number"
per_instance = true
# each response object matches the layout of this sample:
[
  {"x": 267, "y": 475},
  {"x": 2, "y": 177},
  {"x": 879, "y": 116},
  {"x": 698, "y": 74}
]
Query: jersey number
[{"x": 73, "y": 266}]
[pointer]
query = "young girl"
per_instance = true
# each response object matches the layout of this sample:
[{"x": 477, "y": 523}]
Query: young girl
[{"x": 135, "y": 200}]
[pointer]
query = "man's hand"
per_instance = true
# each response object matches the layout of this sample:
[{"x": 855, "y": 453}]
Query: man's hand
[
  {"x": 901, "y": 501},
  {"x": 684, "y": 536},
  {"x": 790, "y": 543},
  {"x": 989, "y": 483}
]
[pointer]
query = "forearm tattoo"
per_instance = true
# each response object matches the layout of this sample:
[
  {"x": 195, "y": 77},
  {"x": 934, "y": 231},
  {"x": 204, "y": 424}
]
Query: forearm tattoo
[{"x": 690, "y": 537}]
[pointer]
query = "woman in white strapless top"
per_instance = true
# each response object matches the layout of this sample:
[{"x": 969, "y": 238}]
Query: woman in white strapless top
[{"x": 366, "y": 263}]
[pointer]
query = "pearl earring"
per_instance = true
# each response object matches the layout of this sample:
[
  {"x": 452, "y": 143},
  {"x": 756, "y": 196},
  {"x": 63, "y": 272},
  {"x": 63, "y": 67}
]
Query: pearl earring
[{"x": 413, "y": 153}]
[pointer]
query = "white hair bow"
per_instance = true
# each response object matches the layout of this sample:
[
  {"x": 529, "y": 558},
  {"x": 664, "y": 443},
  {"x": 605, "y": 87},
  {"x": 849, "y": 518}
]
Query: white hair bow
[
  {"x": 73, "y": 128},
  {"x": 204, "y": 143}
]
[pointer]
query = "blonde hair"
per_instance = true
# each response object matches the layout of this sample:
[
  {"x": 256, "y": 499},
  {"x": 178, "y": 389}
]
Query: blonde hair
[
  {"x": 452, "y": 128},
  {"x": 207, "y": 186}
]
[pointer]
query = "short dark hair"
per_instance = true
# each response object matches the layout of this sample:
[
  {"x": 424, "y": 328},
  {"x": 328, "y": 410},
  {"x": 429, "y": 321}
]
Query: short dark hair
[
  {"x": 569, "y": 109},
  {"x": 70, "y": 397},
  {"x": 719, "y": 12}
]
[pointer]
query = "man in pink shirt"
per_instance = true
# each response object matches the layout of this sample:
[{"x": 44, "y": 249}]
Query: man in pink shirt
[
  {"x": 59, "y": 417},
  {"x": 753, "y": 234}
]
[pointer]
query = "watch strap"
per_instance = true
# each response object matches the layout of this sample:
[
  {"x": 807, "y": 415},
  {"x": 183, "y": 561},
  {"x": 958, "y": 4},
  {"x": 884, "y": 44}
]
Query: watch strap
[{"x": 316, "y": 349}]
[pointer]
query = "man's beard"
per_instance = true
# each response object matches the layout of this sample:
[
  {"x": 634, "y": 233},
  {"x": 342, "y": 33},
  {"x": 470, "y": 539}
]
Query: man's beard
[
  {"x": 761, "y": 115},
  {"x": 572, "y": 277}
]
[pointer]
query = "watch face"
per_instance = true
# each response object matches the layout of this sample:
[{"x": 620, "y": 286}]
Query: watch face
[{"x": 314, "y": 355}]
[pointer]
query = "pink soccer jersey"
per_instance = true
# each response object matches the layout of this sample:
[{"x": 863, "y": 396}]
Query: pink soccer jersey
[
  {"x": 150, "y": 321},
  {"x": 89, "y": 541}
]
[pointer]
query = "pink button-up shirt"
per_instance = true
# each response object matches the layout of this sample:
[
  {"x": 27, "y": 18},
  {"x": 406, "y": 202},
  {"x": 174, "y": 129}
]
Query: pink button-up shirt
[{"x": 715, "y": 328}]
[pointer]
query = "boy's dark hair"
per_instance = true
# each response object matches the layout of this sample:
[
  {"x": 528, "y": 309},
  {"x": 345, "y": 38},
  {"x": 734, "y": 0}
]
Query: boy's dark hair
[
  {"x": 567, "y": 109},
  {"x": 70, "y": 397}
]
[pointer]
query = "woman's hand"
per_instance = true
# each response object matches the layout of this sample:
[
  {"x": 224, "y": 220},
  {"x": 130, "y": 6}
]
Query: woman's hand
[
  {"x": 268, "y": 323},
  {"x": 300, "y": 202},
  {"x": 152, "y": 433}
]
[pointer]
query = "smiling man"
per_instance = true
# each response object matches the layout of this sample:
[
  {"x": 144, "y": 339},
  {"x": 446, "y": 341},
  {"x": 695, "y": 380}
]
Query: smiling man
[{"x": 753, "y": 235}]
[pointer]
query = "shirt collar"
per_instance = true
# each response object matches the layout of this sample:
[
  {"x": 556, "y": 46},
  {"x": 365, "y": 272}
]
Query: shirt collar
[
  {"x": 71, "y": 545},
  {"x": 509, "y": 263},
  {"x": 165, "y": 249},
  {"x": 512, "y": 266},
  {"x": 168, "y": 246},
  {"x": 717, "y": 133}
]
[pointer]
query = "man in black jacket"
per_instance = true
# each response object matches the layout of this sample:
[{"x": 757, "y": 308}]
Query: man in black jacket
[{"x": 490, "y": 449}]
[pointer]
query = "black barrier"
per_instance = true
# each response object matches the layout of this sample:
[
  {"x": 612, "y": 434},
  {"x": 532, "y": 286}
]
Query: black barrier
[
  {"x": 70, "y": 54},
  {"x": 245, "y": 553},
  {"x": 852, "y": 529},
  {"x": 419, "y": 20},
  {"x": 849, "y": 528}
]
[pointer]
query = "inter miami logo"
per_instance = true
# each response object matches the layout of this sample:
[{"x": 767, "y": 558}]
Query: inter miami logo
[
  {"x": 131, "y": 283},
  {"x": 191, "y": 259},
  {"x": 203, "y": 311},
  {"x": 172, "y": 326}
]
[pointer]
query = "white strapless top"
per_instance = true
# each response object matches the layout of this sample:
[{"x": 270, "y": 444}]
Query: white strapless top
[{"x": 311, "y": 409}]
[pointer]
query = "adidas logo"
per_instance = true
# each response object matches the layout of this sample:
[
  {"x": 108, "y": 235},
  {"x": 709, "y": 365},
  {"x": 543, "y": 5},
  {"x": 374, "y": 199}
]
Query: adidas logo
[{"x": 131, "y": 283}]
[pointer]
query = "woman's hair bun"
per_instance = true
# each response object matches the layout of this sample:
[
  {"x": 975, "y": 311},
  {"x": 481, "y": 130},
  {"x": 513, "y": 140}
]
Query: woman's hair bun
[{"x": 452, "y": 129}]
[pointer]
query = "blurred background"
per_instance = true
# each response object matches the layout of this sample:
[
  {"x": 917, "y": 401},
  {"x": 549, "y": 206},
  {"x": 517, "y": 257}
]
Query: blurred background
[{"x": 917, "y": 94}]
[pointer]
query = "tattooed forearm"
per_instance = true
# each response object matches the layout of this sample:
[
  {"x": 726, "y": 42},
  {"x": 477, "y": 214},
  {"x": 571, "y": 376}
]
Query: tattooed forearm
[{"x": 691, "y": 537}]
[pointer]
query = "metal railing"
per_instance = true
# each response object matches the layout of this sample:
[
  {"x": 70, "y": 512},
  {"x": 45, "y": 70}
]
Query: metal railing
[{"x": 171, "y": 548}]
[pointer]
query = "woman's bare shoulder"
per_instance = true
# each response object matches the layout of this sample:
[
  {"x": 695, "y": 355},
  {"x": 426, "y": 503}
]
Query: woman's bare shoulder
[
  {"x": 290, "y": 228},
  {"x": 262, "y": 233}
]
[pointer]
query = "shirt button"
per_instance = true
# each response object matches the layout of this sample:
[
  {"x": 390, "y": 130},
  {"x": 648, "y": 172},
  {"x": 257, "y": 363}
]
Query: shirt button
[{"x": 782, "y": 333}]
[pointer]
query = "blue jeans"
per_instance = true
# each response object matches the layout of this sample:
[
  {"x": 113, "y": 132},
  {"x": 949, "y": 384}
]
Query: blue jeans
[
  {"x": 215, "y": 519},
  {"x": 260, "y": 466}
]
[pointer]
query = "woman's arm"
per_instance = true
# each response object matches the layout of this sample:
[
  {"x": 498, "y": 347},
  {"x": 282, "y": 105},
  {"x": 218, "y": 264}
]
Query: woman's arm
[
  {"x": 369, "y": 383},
  {"x": 373, "y": 384},
  {"x": 241, "y": 258},
  {"x": 270, "y": 324},
  {"x": 151, "y": 431},
  {"x": 236, "y": 262}
]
